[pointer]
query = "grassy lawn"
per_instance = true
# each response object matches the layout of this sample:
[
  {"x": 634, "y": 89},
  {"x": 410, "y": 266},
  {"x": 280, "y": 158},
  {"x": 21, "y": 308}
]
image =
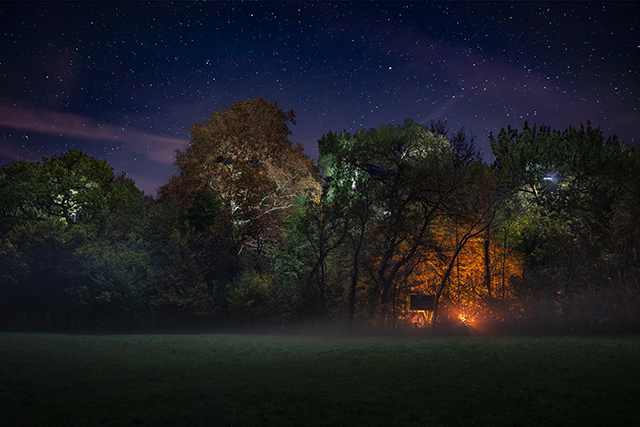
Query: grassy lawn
[{"x": 251, "y": 380}]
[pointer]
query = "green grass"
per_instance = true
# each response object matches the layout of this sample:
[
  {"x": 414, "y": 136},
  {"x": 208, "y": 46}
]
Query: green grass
[{"x": 251, "y": 380}]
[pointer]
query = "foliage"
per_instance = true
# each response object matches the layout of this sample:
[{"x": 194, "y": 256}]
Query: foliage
[
  {"x": 204, "y": 210},
  {"x": 37, "y": 259},
  {"x": 245, "y": 157},
  {"x": 393, "y": 184},
  {"x": 72, "y": 188},
  {"x": 66, "y": 225},
  {"x": 262, "y": 298},
  {"x": 111, "y": 285},
  {"x": 181, "y": 293},
  {"x": 125, "y": 205},
  {"x": 569, "y": 190},
  {"x": 314, "y": 233},
  {"x": 249, "y": 232},
  {"x": 249, "y": 295}
]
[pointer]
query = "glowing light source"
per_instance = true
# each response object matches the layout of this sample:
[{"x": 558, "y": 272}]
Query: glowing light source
[{"x": 464, "y": 319}]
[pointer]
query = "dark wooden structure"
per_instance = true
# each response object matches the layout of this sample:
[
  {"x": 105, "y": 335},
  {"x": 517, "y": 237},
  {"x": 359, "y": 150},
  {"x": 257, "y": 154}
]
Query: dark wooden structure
[{"x": 422, "y": 302}]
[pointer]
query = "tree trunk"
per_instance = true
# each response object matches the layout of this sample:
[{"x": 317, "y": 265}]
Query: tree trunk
[
  {"x": 352, "y": 290},
  {"x": 487, "y": 263}
]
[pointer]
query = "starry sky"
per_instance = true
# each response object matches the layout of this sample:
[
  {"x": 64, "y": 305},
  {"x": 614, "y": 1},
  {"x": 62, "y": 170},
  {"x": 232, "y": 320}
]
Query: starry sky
[{"x": 123, "y": 81}]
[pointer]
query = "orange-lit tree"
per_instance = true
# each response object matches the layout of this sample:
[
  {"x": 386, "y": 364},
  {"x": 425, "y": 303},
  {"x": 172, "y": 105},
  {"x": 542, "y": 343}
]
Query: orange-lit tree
[
  {"x": 465, "y": 295},
  {"x": 398, "y": 182},
  {"x": 465, "y": 222}
]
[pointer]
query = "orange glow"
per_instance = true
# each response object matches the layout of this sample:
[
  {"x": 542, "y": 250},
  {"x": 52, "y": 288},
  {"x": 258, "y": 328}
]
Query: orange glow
[
  {"x": 464, "y": 319},
  {"x": 480, "y": 284}
]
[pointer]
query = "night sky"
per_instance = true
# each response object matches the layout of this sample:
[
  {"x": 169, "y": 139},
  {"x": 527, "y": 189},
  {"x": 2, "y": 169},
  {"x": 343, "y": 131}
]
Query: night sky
[{"x": 123, "y": 81}]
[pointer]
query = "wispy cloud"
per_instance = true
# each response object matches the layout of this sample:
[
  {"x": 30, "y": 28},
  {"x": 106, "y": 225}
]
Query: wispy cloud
[{"x": 155, "y": 147}]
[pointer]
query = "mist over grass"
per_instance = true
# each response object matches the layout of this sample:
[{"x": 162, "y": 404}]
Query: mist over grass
[{"x": 223, "y": 379}]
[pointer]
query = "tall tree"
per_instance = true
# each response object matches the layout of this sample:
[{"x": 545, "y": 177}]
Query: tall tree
[
  {"x": 470, "y": 215},
  {"x": 348, "y": 188},
  {"x": 57, "y": 217},
  {"x": 567, "y": 186},
  {"x": 314, "y": 233},
  {"x": 393, "y": 183},
  {"x": 72, "y": 187},
  {"x": 244, "y": 155}
]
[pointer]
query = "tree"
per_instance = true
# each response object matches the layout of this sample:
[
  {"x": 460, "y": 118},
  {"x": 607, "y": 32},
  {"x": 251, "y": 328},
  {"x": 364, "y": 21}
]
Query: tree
[
  {"x": 624, "y": 244},
  {"x": 470, "y": 215},
  {"x": 245, "y": 157},
  {"x": 314, "y": 232},
  {"x": 190, "y": 257},
  {"x": 182, "y": 293},
  {"x": 55, "y": 216},
  {"x": 110, "y": 285},
  {"x": 342, "y": 161},
  {"x": 567, "y": 188},
  {"x": 37, "y": 261},
  {"x": 125, "y": 205},
  {"x": 392, "y": 184},
  {"x": 73, "y": 188}
]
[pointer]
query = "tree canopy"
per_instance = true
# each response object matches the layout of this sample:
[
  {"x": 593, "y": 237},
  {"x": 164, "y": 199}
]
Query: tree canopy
[
  {"x": 249, "y": 230},
  {"x": 72, "y": 187},
  {"x": 67, "y": 246},
  {"x": 245, "y": 157}
]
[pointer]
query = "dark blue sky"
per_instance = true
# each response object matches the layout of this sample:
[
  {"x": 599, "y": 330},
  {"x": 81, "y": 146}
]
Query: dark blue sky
[{"x": 123, "y": 81}]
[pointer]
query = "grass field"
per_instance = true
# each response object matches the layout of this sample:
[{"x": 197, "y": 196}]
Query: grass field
[{"x": 252, "y": 380}]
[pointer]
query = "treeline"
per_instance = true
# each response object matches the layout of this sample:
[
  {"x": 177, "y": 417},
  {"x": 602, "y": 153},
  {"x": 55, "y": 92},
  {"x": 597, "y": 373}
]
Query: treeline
[{"x": 249, "y": 231}]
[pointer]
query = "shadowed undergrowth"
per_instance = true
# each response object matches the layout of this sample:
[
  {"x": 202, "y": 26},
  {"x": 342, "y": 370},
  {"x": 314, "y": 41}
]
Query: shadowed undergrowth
[{"x": 287, "y": 381}]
